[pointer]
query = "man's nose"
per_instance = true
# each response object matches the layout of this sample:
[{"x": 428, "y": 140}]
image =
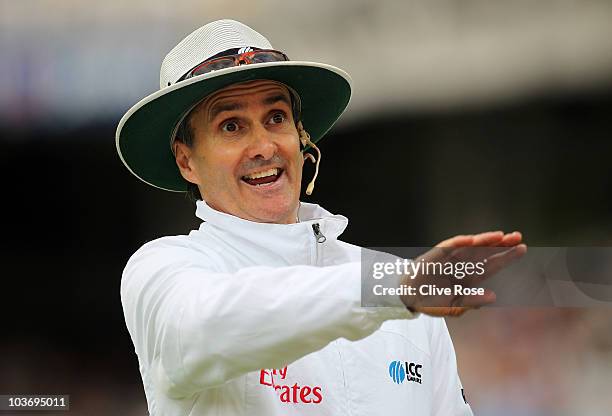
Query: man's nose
[{"x": 262, "y": 145}]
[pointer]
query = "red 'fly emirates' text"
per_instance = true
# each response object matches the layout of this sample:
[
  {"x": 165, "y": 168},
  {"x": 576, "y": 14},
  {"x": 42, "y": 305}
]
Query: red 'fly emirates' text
[{"x": 290, "y": 394}]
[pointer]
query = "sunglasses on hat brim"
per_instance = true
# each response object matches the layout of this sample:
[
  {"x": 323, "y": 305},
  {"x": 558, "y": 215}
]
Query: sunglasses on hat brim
[{"x": 252, "y": 57}]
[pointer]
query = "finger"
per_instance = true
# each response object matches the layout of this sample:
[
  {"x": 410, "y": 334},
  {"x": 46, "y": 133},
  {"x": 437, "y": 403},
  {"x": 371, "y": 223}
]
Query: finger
[
  {"x": 512, "y": 239},
  {"x": 483, "y": 239},
  {"x": 457, "y": 241},
  {"x": 474, "y": 254},
  {"x": 465, "y": 245},
  {"x": 499, "y": 261},
  {"x": 488, "y": 239},
  {"x": 492, "y": 242}
]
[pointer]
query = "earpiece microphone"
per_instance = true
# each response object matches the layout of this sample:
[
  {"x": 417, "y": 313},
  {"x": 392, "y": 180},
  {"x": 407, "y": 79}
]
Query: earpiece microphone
[{"x": 305, "y": 140}]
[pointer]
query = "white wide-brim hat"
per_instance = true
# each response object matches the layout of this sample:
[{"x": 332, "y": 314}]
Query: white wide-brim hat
[{"x": 146, "y": 131}]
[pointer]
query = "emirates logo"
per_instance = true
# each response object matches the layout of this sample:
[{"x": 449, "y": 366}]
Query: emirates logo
[{"x": 296, "y": 393}]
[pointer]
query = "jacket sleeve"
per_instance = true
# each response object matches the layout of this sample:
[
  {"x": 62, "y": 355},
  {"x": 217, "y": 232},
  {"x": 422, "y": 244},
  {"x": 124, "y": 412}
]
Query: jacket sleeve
[
  {"x": 448, "y": 396},
  {"x": 195, "y": 328}
]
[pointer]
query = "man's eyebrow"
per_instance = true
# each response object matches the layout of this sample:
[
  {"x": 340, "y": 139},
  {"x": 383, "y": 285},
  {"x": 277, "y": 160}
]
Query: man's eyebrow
[
  {"x": 217, "y": 109},
  {"x": 273, "y": 99},
  {"x": 277, "y": 98}
]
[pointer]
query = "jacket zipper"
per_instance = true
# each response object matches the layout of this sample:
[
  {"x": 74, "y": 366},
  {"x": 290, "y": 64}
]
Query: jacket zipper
[
  {"x": 318, "y": 234},
  {"x": 320, "y": 239}
]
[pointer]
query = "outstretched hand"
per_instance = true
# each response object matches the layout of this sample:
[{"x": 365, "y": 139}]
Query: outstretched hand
[{"x": 495, "y": 248}]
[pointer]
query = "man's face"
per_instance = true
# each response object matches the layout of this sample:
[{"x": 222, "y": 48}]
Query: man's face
[{"x": 246, "y": 157}]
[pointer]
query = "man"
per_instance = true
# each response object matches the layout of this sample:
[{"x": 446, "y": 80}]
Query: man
[{"x": 258, "y": 311}]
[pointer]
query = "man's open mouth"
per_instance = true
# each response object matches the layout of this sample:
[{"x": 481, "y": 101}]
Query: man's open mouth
[{"x": 264, "y": 177}]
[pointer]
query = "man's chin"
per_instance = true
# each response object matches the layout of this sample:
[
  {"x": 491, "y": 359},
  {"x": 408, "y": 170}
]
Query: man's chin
[
  {"x": 276, "y": 213},
  {"x": 276, "y": 204}
]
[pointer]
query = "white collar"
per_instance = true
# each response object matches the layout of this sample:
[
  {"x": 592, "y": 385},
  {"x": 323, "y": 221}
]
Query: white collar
[{"x": 309, "y": 214}]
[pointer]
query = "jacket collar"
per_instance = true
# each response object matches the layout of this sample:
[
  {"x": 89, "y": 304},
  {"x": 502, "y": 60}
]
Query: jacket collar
[{"x": 331, "y": 225}]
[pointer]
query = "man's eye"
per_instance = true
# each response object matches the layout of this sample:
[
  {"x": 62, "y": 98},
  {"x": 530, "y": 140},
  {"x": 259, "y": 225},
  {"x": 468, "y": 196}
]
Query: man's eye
[
  {"x": 230, "y": 127},
  {"x": 278, "y": 118}
]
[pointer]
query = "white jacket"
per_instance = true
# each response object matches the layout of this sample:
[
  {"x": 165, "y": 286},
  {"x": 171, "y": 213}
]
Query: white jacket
[{"x": 244, "y": 318}]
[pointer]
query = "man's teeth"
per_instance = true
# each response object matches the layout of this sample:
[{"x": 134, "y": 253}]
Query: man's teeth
[{"x": 262, "y": 174}]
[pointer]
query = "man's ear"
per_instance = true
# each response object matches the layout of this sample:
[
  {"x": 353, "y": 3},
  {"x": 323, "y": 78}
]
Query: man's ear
[{"x": 182, "y": 156}]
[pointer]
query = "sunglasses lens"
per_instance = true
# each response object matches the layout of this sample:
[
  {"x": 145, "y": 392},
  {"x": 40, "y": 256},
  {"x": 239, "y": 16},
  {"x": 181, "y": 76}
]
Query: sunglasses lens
[
  {"x": 267, "y": 57},
  {"x": 213, "y": 66}
]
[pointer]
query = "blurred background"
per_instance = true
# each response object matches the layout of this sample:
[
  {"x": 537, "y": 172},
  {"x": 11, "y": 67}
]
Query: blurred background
[{"x": 466, "y": 116}]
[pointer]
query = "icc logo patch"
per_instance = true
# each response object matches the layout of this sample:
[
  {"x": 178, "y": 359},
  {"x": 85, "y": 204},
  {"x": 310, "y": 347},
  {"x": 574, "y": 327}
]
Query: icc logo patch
[{"x": 405, "y": 371}]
